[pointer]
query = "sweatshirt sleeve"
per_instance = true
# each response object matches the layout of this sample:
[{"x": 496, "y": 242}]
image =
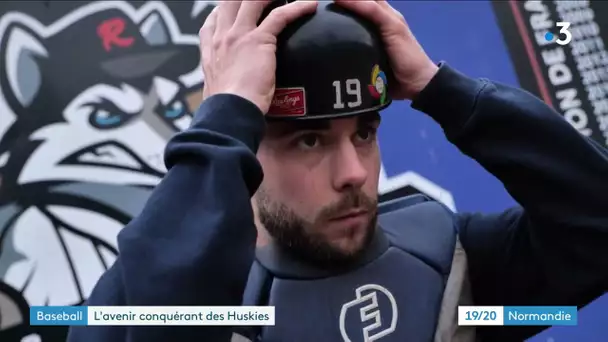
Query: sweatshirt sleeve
[
  {"x": 553, "y": 248},
  {"x": 193, "y": 243}
]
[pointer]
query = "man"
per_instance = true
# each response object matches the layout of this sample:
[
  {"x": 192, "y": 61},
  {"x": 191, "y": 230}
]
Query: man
[{"x": 315, "y": 193}]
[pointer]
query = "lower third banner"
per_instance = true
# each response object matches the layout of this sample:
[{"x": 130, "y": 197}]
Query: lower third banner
[{"x": 152, "y": 315}]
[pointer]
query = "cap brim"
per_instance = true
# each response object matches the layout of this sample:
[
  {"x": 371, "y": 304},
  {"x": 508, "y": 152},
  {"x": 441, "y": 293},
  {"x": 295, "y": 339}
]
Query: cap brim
[{"x": 140, "y": 64}]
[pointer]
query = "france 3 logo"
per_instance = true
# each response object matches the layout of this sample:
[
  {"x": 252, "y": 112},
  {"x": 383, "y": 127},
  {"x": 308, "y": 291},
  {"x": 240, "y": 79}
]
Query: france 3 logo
[{"x": 564, "y": 32}]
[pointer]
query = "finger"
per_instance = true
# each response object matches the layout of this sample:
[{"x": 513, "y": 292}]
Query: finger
[
  {"x": 391, "y": 9},
  {"x": 250, "y": 13},
  {"x": 206, "y": 45},
  {"x": 372, "y": 10},
  {"x": 384, "y": 3},
  {"x": 205, "y": 34},
  {"x": 226, "y": 15},
  {"x": 280, "y": 17}
]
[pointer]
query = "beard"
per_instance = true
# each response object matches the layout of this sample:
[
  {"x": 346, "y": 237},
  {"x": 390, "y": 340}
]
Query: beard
[{"x": 296, "y": 237}]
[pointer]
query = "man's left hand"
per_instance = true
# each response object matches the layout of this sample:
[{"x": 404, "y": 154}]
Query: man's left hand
[{"x": 412, "y": 68}]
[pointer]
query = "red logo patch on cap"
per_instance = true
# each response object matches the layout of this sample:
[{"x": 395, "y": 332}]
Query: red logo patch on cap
[{"x": 288, "y": 102}]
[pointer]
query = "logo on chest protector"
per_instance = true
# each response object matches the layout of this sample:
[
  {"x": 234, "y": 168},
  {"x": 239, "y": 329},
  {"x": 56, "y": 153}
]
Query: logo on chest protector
[{"x": 370, "y": 316}]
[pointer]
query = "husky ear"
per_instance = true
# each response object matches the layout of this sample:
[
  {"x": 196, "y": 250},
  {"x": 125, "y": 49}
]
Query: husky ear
[
  {"x": 24, "y": 51},
  {"x": 154, "y": 29}
]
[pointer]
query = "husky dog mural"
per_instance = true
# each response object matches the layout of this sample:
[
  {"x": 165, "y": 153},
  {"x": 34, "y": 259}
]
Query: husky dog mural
[{"x": 87, "y": 104}]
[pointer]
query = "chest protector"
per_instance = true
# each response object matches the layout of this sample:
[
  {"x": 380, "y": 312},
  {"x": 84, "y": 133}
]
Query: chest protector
[{"x": 407, "y": 288}]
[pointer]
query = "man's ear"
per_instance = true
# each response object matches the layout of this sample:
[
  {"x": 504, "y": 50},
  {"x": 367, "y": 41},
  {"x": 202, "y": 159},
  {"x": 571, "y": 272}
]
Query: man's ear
[{"x": 23, "y": 53}]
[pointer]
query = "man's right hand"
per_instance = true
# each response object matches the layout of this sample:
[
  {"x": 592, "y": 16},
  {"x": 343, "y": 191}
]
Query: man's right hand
[
  {"x": 412, "y": 67},
  {"x": 239, "y": 57}
]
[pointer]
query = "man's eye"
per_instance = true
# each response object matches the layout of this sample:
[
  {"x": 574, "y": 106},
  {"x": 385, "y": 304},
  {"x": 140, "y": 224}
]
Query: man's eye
[
  {"x": 366, "y": 134},
  {"x": 308, "y": 141}
]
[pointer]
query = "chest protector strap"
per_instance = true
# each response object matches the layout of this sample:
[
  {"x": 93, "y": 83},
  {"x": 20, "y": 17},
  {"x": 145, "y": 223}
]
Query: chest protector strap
[{"x": 409, "y": 290}]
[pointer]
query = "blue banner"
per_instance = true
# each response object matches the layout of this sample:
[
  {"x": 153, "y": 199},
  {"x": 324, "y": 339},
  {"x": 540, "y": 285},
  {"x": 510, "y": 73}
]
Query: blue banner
[
  {"x": 540, "y": 315},
  {"x": 58, "y": 315}
]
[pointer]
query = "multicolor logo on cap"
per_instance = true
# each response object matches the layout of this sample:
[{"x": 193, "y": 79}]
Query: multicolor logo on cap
[{"x": 378, "y": 87}]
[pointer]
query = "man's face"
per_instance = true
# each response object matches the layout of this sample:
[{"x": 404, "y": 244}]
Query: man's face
[{"x": 319, "y": 194}]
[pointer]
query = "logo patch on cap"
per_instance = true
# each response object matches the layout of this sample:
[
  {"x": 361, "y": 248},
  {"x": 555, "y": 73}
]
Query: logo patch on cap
[
  {"x": 378, "y": 87},
  {"x": 288, "y": 102}
]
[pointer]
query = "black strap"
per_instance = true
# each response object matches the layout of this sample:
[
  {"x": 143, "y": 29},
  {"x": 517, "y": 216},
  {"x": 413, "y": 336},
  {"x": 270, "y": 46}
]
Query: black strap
[{"x": 257, "y": 293}]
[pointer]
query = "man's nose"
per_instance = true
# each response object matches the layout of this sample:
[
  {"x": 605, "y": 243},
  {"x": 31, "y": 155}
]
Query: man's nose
[{"x": 348, "y": 169}]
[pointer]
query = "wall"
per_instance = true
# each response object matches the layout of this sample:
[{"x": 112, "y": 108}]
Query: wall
[{"x": 83, "y": 123}]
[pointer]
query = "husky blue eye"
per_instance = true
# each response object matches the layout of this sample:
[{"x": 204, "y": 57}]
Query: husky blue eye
[
  {"x": 175, "y": 110},
  {"x": 173, "y": 113},
  {"x": 104, "y": 119},
  {"x": 107, "y": 120}
]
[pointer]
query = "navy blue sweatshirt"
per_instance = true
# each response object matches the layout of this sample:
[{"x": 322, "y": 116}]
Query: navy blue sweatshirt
[{"x": 193, "y": 243}]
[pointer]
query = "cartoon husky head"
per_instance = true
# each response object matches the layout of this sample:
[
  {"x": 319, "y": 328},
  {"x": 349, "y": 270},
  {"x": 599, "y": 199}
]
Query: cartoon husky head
[
  {"x": 99, "y": 92},
  {"x": 88, "y": 103}
]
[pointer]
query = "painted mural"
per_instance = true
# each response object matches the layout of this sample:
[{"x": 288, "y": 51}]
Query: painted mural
[{"x": 88, "y": 101}]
